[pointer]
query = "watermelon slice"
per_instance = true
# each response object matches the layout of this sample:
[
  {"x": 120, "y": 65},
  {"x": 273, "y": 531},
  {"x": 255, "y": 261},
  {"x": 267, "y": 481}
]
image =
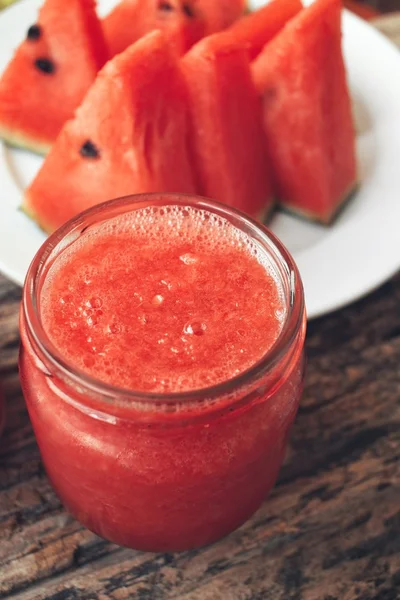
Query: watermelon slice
[
  {"x": 50, "y": 73},
  {"x": 128, "y": 136},
  {"x": 307, "y": 113},
  {"x": 219, "y": 14},
  {"x": 125, "y": 24},
  {"x": 256, "y": 29},
  {"x": 131, "y": 19},
  {"x": 227, "y": 136}
]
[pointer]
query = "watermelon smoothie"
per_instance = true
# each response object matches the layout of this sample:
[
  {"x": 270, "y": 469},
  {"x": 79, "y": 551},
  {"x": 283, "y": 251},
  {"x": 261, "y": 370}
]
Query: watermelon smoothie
[{"x": 162, "y": 366}]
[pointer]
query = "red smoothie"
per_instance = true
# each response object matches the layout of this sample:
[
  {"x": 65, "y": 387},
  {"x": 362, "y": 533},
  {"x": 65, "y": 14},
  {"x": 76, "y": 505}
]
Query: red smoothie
[
  {"x": 163, "y": 300},
  {"x": 158, "y": 371}
]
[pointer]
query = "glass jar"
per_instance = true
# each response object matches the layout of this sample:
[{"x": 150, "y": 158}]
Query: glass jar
[{"x": 162, "y": 472}]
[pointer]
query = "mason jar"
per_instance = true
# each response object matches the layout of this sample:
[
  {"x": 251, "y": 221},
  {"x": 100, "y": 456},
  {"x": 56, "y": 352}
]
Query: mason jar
[{"x": 153, "y": 471}]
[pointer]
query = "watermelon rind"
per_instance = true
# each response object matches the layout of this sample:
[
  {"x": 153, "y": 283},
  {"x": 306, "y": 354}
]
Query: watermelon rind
[
  {"x": 328, "y": 219},
  {"x": 19, "y": 140}
]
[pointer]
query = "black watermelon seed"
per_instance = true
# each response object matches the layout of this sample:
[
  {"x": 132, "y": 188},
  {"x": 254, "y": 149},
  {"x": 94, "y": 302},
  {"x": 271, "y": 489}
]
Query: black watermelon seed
[
  {"x": 34, "y": 32},
  {"x": 166, "y": 6},
  {"x": 89, "y": 150},
  {"x": 45, "y": 65},
  {"x": 188, "y": 10}
]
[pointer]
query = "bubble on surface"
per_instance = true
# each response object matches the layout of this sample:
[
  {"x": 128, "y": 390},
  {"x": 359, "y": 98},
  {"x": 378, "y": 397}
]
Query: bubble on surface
[
  {"x": 87, "y": 276},
  {"x": 195, "y": 328},
  {"x": 66, "y": 299},
  {"x": 91, "y": 321},
  {"x": 185, "y": 223},
  {"x": 95, "y": 302},
  {"x": 115, "y": 328},
  {"x": 169, "y": 227},
  {"x": 157, "y": 300},
  {"x": 188, "y": 258}
]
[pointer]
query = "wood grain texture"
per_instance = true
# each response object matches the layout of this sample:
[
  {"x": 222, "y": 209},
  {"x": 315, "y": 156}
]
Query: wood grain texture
[{"x": 329, "y": 531}]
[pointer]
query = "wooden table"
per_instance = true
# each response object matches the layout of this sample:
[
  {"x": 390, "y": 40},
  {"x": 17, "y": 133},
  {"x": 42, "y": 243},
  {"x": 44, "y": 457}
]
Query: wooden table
[{"x": 329, "y": 531}]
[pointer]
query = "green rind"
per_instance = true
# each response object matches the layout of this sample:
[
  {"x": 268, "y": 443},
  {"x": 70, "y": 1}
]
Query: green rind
[
  {"x": 27, "y": 210},
  {"x": 18, "y": 140},
  {"x": 6, "y": 3},
  {"x": 306, "y": 216}
]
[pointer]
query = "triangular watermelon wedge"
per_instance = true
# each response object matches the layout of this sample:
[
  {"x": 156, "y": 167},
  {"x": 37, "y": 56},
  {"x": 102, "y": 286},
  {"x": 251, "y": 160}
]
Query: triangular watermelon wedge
[
  {"x": 227, "y": 136},
  {"x": 131, "y": 19},
  {"x": 129, "y": 136},
  {"x": 50, "y": 73},
  {"x": 307, "y": 119},
  {"x": 259, "y": 27}
]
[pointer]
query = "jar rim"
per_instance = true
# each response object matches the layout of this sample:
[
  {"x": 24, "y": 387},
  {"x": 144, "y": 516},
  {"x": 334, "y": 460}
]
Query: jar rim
[{"x": 69, "y": 232}]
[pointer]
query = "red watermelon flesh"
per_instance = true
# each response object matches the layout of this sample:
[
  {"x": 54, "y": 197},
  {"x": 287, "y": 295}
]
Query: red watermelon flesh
[
  {"x": 131, "y": 19},
  {"x": 50, "y": 73},
  {"x": 227, "y": 136},
  {"x": 125, "y": 24},
  {"x": 182, "y": 22},
  {"x": 256, "y": 29},
  {"x": 128, "y": 136},
  {"x": 307, "y": 112},
  {"x": 219, "y": 14}
]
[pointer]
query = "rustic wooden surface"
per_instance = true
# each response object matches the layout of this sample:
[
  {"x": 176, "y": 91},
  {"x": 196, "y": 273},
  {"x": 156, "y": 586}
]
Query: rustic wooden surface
[{"x": 329, "y": 531}]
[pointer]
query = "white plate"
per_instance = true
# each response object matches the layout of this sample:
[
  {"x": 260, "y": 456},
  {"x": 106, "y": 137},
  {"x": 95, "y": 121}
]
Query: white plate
[{"x": 338, "y": 265}]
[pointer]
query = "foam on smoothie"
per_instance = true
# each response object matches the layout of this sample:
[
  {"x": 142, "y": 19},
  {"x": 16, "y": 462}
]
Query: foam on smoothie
[{"x": 163, "y": 299}]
